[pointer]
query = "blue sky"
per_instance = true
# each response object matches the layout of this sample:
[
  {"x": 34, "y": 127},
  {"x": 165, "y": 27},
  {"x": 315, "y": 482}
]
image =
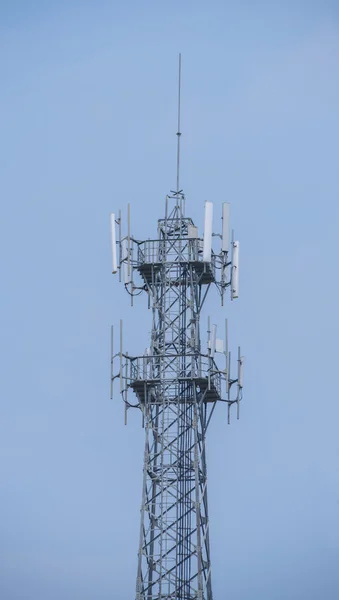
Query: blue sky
[{"x": 88, "y": 121}]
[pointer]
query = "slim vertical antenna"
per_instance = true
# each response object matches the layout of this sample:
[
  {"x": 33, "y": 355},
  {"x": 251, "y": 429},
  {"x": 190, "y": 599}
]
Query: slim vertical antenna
[
  {"x": 178, "y": 132},
  {"x": 112, "y": 360}
]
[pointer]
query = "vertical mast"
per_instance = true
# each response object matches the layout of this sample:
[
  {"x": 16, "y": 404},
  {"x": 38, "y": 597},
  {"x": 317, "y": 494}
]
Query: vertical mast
[
  {"x": 178, "y": 132},
  {"x": 176, "y": 385}
]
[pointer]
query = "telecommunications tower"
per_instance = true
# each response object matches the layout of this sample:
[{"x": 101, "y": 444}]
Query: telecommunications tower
[{"x": 176, "y": 384}]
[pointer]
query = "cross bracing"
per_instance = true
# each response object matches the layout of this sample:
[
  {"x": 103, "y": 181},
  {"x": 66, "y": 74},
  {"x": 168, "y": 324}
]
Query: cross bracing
[{"x": 177, "y": 384}]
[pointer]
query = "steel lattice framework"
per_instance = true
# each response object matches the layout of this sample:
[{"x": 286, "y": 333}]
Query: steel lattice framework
[{"x": 177, "y": 385}]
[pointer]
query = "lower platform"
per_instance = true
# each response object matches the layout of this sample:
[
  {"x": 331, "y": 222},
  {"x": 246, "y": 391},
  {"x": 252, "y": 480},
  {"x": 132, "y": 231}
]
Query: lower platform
[{"x": 211, "y": 393}]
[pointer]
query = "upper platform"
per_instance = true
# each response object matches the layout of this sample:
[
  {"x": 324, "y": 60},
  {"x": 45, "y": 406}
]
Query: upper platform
[{"x": 154, "y": 254}]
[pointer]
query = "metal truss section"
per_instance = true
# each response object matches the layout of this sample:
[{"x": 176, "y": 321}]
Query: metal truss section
[
  {"x": 174, "y": 553},
  {"x": 176, "y": 385}
]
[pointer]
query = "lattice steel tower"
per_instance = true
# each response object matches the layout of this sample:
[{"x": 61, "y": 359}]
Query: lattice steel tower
[{"x": 177, "y": 384}]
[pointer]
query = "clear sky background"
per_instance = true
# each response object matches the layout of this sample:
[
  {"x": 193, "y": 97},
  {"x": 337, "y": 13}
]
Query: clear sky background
[{"x": 88, "y": 122}]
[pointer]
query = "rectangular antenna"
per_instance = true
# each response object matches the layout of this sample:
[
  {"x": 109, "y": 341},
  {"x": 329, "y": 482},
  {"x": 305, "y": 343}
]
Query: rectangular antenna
[
  {"x": 209, "y": 352},
  {"x": 229, "y": 371},
  {"x": 112, "y": 361},
  {"x": 225, "y": 227},
  {"x": 219, "y": 346},
  {"x": 208, "y": 224},
  {"x": 235, "y": 271},
  {"x": 126, "y": 388},
  {"x": 121, "y": 374},
  {"x": 124, "y": 258},
  {"x": 226, "y": 356},
  {"x": 113, "y": 244},
  {"x": 192, "y": 232},
  {"x": 239, "y": 377},
  {"x": 129, "y": 240},
  {"x": 213, "y": 340},
  {"x": 240, "y": 370},
  {"x": 119, "y": 223}
]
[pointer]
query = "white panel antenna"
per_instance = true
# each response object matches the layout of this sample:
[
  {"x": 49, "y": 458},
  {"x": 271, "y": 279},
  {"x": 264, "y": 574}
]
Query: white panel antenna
[
  {"x": 219, "y": 346},
  {"x": 113, "y": 243},
  {"x": 225, "y": 227},
  {"x": 235, "y": 271},
  {"x": 241, "y": 371},
  {"x": 124, "y": 257},
  {"x": 146, "y": 361},
  {"x": 207, "y": 248},
  {"x": 192, "y": 232},
  {"x": 129, "y": 241},
  {"x": 213, "y": 339}
]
